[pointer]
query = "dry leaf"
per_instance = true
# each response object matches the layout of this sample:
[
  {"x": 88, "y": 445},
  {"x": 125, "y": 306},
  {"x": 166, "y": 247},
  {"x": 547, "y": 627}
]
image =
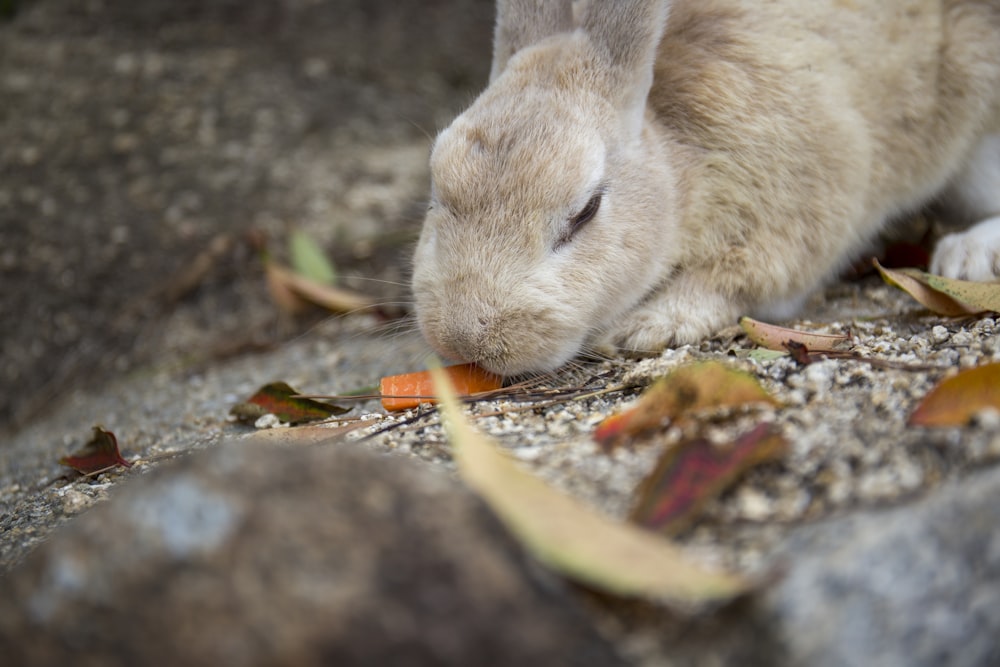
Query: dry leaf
[
  {"x": 982, "y": 297},
  {"x": 700, "y": 386},
  {"x": 311, "y": 434},
  {"x": 916, "y": 283},
  {"x": 774, "y": 337},
  {"x": 282, "y": 281},
  {"x": 279, "y": 399},
  {"x": 957, "y": 399},
  {"x": 100, "y": 453},
  {"x": 693, "y": 472},
  {"x": 573, "y": 539}
]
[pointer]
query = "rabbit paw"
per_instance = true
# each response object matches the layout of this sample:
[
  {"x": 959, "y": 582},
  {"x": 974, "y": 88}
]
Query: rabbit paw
[
  {"x": 675, "y": 317},
  {"x": 970, "y": 255}
]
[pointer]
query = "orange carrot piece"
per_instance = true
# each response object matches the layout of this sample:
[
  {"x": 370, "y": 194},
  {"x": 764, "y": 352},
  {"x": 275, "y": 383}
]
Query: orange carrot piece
[{"x": 402, "y": 392}]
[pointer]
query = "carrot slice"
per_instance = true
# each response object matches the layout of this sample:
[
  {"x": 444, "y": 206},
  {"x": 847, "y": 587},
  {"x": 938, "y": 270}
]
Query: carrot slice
[{"x": 402, "y": 392}]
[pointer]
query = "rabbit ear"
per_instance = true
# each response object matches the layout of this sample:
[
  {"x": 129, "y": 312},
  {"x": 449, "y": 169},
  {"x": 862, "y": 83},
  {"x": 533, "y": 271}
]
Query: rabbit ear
[
  {"x": 521, "y": 23},
  {"x": 626, "y": 35}
]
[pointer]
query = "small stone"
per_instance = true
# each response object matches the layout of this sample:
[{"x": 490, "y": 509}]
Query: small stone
[
  {"x": 939, "y": 334},
  {"x": 753, "y": 504},
  {"x": 987, "y": 418},
  {"x": 267, "y": 421},
  {"x": 74, "y": 502},
  {"x": 962, "y": 338}
]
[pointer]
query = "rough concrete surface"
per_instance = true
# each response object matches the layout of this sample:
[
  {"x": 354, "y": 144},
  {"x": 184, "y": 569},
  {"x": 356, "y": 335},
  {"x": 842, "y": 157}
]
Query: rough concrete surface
[{"x": 136, "y": 138}]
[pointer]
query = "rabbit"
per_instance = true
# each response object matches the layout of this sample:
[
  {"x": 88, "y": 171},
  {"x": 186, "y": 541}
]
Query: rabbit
[{"x": 638, "y": 174}]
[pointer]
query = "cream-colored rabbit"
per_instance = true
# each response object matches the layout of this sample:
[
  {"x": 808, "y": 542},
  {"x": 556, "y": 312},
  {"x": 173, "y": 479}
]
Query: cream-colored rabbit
[{"x": 639, "y": 173}]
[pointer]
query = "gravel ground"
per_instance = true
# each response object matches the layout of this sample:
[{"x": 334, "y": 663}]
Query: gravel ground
[{"x": 851, "y": 448}]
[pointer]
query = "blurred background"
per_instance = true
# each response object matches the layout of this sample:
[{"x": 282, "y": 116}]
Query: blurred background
[{"x": 150, "y": 148}]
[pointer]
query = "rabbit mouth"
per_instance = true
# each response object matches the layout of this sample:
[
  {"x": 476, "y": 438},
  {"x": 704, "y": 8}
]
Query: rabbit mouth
[{"x": 508, "y": 343}]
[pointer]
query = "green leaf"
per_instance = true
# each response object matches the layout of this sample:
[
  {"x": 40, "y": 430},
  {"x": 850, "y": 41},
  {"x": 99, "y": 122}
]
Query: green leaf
[
  {"x": 309, "y": 260},
  {"x": 286, "y": 404}
]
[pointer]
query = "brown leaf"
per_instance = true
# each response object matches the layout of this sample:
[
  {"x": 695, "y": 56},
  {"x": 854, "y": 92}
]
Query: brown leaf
[
  {"x": 774, "y": 337},
  {"x": 100, "y": 453},
  {"x": 694, "y": 471},
  {"x": 917, "y": 284},
  {"x": 957, "y": 399},
  {"x": 282, "y": 281},
  {"x": 310, "y": 434},
  {"x": 279, "y": 399},
  {"x": 701, "y": 386},
  {"x": 573, "y": 539}
]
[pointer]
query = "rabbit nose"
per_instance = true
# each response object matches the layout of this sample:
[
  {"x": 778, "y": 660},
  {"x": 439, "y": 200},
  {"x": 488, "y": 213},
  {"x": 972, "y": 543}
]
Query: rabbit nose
[{"x": 476, "y": 339}]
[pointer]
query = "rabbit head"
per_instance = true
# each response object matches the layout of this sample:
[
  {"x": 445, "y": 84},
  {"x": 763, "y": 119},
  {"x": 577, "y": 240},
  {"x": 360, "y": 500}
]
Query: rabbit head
[{"x": 545, "y": 222}]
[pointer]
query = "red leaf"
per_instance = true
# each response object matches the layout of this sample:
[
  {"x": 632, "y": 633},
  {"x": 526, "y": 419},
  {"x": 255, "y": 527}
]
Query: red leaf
[
  {"x": 279, "y": 399},
  {"x": 100, "y": 453},
  {"x": 695, "y": 471}
]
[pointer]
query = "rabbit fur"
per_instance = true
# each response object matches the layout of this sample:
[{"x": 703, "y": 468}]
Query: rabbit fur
[{"x": 639, "y": 173}]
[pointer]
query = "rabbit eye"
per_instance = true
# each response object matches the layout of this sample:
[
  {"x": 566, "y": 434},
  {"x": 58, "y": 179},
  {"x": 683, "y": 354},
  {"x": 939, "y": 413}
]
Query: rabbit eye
[{"x": 586, "y": 214}]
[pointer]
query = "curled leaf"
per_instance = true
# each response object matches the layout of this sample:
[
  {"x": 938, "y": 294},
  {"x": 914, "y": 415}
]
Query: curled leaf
[
  {"x": 287, "y": 287},
  {"x": 702, "y": 386},
  {"x": 941, "y": 295},
  {"x": 957, "y": 399},
  {"x": 777, "y": 338},
  {"x": 100, "y": 453},
  {"x": 693, "y": 472},
  {"x": 279, "y": 399},
  {"x": 571, "y": 538}
]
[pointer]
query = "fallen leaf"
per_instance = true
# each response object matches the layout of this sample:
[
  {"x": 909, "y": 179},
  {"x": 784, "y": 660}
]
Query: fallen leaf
[
  {"x": 799, "y": 353},
  {"x": 286, "y": 299},
  {"x": 408, "y": 390},
  {"x": 774, "y": 337},
  {"x": 700, "y": 386},
  {"x": 286, "y": 404},
  {"x": 573, "y": 539},
  {"x": 309, "y": 260},
  {"x": 282, "y": 281},
  {"x": 310, "y": 434},
  {"x": 945, "y": 302},
  {"x": 979, "y": 296},
  {"x": 957, "y": 399},
  {"x": 100, "y": 453},
  {"x": 693, "y": 472}
]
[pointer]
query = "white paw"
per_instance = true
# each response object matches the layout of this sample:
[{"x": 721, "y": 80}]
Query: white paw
[{"x": 970, "y": 255}]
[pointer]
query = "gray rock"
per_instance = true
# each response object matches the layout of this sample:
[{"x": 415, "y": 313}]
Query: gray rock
[
  {"x": 912, "y": 586},
  {"x": 255, "y": 555}
]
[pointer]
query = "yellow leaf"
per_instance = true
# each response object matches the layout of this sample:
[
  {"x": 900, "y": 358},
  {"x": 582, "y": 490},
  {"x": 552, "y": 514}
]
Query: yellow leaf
[
  {"x": 956, "y": 399},
  {"x": 573, "y": 539},
  {"x": 707, "y": 385},
  {"x": 941, "y": 297}
]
